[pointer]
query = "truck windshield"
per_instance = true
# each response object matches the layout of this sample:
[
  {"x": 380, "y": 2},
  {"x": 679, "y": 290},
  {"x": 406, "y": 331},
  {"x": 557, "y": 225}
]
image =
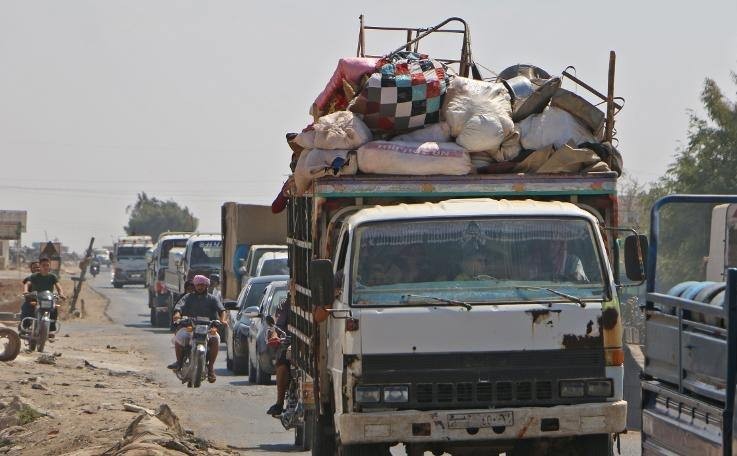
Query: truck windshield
[
  {"x": 476, "y": 261},
  {"x": 166, "y": 246},
  {"x": 132, "y": 252},
  {"x": 206, "y": 253}
]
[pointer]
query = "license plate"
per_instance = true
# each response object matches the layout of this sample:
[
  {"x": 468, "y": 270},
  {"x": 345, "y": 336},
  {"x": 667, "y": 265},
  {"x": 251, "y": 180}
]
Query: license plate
[
  {"x": 200, "y": 329},
  {"x": 480, "y": 420},
  {"x": 135, "y": 276},
  {"x": 47, "y": 305}
]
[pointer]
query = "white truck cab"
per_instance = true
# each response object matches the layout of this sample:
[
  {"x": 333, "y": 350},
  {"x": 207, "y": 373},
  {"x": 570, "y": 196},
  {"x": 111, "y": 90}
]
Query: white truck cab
[{"x": 474, "y": 319}]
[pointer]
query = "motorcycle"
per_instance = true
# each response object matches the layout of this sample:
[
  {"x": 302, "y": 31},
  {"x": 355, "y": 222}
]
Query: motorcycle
[
  {"x": 94, "y": 268},
  {"x": 40, "y": 325},
  {"x": 295, "y": 415},
  {"x": 194, "y": 362}
]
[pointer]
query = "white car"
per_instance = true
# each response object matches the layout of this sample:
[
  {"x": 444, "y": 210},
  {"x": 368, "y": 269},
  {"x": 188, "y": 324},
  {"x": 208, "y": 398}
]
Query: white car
[{"x": 272, "y": 263}]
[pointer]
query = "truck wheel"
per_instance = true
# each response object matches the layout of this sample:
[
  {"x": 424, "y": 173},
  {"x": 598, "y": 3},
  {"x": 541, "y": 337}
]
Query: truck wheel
[
  {"x": 371, "y": 449},
  {"x": 323, "y": 435},
  {"x": 117, "y": 285},
  {"x": 9, "y": 344},
  {"x": 593, "y": 444},
  {"x": 303, "y": 432}
]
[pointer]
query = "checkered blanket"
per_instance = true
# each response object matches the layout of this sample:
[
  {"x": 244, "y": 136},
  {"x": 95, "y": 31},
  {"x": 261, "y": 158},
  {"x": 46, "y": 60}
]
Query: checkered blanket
[{"x": 405, "y": 92}]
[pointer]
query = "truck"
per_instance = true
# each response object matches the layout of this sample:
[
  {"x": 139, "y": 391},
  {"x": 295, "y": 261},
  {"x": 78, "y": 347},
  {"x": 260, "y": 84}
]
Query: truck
[
  {"x": 129, "y": 260},
  {"x": 688, "y": 381},
  {"x": 158, "y": 261},
  {"x": 473, "y": 314},
  {"x": 244, "y": 226},
  {"x": 202, "y": 255}
]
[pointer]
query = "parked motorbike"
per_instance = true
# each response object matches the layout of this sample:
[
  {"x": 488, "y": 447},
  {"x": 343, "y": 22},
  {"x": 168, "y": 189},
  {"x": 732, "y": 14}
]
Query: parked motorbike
[
  {"x": 194, "y": 362},
  {"x": 94, "y": 268},
  {"x": 36, "y": 330},
  {"x": 294, "y": 416}
]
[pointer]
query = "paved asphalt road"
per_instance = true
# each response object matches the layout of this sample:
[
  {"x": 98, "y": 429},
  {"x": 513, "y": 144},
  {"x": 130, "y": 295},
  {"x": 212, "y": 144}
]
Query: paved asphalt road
[{"x": 231, "y": 410}]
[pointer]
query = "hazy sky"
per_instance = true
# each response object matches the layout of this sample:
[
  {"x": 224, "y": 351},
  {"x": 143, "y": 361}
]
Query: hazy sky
[{"x": 191, "y": 99}]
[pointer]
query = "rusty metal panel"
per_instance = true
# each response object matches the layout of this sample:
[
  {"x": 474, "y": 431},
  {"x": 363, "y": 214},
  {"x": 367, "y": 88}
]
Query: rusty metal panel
[{"x": 466, "y": 186}]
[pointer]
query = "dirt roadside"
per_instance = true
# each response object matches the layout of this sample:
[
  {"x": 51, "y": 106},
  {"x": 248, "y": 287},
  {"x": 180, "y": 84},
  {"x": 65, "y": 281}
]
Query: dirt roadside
[{"x": 79, "y": 389}]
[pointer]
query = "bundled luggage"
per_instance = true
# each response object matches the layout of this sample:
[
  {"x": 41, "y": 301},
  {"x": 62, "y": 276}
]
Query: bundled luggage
[{"x": 408, "y": 114}]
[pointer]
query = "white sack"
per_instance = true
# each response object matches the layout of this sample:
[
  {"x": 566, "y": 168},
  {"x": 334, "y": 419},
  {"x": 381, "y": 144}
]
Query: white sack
[
  {"x": 413, "y": 158},
  {"x": 316, "y": 163},
  {"x": 306, "y": 139},
  {"x": 437, "y": 132},
  {"x": 479, "y": 113},
  {"x": 553, "y": 126},
  {"x": 341, "y": 130}
]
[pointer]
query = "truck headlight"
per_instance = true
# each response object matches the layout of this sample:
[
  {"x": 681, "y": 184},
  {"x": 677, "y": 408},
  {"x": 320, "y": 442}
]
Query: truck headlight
[
  {"x": 572, "y": 388},
  {"x": 394, "y": 394},
  {"x": 368, "y": 394},
  {"x": 600, "y": 388}
]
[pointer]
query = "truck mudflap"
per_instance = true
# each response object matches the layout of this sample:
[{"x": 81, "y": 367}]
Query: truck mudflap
[{"x": 477, "y": 425}]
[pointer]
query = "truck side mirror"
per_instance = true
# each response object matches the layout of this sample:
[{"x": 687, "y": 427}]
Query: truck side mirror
[
  {"x": 635, "y": 256},
  {"x": 322, "y": 282}
]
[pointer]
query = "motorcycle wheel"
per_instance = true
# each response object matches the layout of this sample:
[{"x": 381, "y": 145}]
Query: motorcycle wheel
[
  {"x": 43, "y": 335},
  {"x": 262, "y": 378},
  {"x": 239, "y": 363},
  {"x": 32, "y": 335},
  {"x": 251, "y": 372},
  {"x": 152, "y": 318},
  {"x": 197, "y": 371},
  {"x": 10, "y": 348}
]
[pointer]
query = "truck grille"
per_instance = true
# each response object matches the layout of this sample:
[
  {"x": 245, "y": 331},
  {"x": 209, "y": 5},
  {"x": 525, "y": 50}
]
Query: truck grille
[{"x": 483, "y": 380}]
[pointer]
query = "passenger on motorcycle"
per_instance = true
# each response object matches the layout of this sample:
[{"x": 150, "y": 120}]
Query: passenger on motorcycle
[
  {"x": 282, "y": 364},
  {"x": 34, "y": 267},
  {"x": 43, "y": 280},
  {"x": 204, "y": 305}
]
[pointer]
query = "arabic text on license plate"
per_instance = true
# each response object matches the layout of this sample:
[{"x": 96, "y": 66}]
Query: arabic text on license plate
[
  {"x": 200, "y": 329},
  {"x": 135, "y": 276},
  {"x": 480, "y": 420}
]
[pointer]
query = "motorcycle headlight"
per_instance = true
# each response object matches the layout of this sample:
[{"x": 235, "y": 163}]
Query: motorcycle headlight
[
  {"x": 572, "y": 388},
  {"x": 368, "y": 394},
  {"x": 395, "y": 394}
]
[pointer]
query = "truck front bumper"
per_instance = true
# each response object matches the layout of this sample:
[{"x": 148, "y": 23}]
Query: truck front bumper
[{"x": 528, "y": 423}]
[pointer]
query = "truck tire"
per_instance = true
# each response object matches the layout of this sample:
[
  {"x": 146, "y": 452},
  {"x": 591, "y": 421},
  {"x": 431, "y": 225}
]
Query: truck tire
[
  {"x": 9, "y": 344},
  {"x": 303, "y": 431},
  {"x": 323, "y": 435},
  {"x": 369, "y": 449},
  {"x": 594, "y": 444}
]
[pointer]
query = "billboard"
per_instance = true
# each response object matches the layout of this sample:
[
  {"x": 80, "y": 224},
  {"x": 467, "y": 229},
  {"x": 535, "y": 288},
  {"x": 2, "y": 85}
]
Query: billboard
[{"x": 12, "y": 224}]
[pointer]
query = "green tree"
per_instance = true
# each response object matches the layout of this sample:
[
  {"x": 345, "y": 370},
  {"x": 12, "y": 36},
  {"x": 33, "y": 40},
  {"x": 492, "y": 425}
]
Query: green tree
[
  {"x": 707, "y": 164},
  {"x": 153, "y": 216}
]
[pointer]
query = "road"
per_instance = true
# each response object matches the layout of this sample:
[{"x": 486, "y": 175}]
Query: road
[{"x": 231, "y": 410}]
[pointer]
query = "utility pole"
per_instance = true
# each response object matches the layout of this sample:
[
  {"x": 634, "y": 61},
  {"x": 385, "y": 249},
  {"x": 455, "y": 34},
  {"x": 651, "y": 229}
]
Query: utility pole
[{"x": 79, "y": 280}]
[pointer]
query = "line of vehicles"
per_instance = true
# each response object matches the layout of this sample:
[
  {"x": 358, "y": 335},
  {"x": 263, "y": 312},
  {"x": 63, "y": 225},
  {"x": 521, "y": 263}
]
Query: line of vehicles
[{"x": 476, "y": 314}]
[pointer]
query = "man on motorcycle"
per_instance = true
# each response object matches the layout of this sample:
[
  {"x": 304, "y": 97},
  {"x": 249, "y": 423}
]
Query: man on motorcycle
[
  {"x": 282, "y": 364},
  {"x": 198, "y": 304},
  {"x": 43, "y": 280}
]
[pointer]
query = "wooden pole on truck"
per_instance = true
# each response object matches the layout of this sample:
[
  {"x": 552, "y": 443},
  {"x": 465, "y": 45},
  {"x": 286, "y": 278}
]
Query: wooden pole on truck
[
  {"x": 83, "y": 270},
  {"x": 609, "y": 129}
]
